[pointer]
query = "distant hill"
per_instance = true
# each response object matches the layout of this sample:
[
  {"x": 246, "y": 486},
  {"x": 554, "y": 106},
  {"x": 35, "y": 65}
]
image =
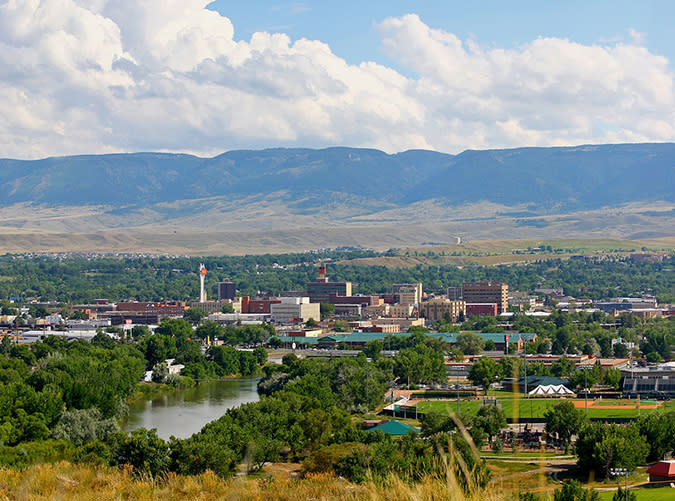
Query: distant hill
[
  {"x": 336, "y": 196},
  {"x": 577, "y": 177}
]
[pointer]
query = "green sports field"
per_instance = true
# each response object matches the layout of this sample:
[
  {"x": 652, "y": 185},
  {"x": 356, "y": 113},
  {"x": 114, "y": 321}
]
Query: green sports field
[
  {"x": 536, "y": 408},
  {"x": 645, "y": 494}
]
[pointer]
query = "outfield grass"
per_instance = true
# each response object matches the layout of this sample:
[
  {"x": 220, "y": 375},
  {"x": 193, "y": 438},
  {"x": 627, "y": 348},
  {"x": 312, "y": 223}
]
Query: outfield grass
[
  {"x": 537, "y": 407},
  {"x": 645, "y": 494}
]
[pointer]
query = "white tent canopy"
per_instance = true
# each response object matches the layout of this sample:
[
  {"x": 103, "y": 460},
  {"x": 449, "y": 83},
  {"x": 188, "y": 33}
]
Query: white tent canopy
[{"x": 551, "y": 389}]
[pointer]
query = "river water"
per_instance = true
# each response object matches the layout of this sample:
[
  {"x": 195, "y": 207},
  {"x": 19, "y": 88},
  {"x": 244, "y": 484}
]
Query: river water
[{"x": 184, "y": 412}]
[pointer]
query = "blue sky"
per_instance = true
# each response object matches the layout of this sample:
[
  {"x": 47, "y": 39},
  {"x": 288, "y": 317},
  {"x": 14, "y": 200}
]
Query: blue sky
[
  {"x": 349, "y": 26},
  {"x": 97, "y": 76}
]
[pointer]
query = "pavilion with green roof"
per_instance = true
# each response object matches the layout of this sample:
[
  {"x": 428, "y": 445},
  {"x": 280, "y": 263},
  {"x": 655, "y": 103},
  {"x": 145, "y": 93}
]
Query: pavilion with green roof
[{"x": 395, "y": 428}]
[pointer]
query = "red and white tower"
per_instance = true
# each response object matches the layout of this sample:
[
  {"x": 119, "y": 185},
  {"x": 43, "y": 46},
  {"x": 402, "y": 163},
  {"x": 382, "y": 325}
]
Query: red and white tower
[
  {"x": 202, "y": 275},
  {"x": 322, "y": 274}
]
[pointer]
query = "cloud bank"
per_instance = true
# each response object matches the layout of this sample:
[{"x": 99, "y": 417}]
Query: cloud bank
[{"x": 94, "y": 76}]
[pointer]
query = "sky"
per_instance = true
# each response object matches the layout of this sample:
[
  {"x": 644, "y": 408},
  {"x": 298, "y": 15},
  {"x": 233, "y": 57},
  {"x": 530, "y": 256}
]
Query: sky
[{"x": 103, "y": 76}]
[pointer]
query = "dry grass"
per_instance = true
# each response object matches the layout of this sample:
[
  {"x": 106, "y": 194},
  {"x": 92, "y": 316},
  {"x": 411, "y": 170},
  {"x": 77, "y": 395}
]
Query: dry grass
[{"x": 66, "y": 481}]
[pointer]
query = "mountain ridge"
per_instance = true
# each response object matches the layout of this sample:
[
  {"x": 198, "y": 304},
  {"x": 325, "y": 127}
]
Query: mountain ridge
[
  {"x": 558, "y": 174},
  {"x": 628, "y": 189}
]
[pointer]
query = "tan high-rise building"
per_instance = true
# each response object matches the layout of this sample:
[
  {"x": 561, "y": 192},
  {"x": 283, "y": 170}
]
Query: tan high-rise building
[
  {"x": 438, "y": 309},
  {"x": 487, "y": 292}
]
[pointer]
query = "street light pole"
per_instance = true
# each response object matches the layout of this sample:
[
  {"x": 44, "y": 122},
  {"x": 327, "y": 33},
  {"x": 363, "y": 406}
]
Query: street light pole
[
  {"x": 586, "y": 392},
  {"x": 617, "y": 472},
  {"x": 457, "y": 388}
]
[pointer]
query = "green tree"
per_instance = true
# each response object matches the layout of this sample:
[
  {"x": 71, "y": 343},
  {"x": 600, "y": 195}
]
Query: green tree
[
  {"x": 260, "y": 355},
  {"x": 659, "y": 430},
  {"x": 194, "y": 315},
  {"x": 601, "y": 447},
  {"x": 373, "y": 349},
  {"x": 420, "y": 364},
  {"x": 620, "y": 350},
  {"x": 289, "y": 359},
  {"x": 327, "y": 310},
  {"x": 158, "y": 348},
  {"x": 160, "y": 372},
  {"x": 491, "y": 420},
  {"x": 227, "y": 308},
  {"x": 5, "y": 345},
  {"x": 572, "y": 490},
  {"x": 484, "y": 372},
  {"x": 654, "y": 357},
  {"x": 145, "y": 451},
  {"x": 621, "y": 446},
  {"x": 470, "y": 343},
  {"x": 22, "y": 352},
  {"x": 611, "y": 377},
  {"x": 103, "y": 340},
  {"x": 275, "y": 342},
  {"x": 622, "y": 495},
  {"x": 175, "y": 327},
  {"x": 512, "y": 366},
  {"x": 248, "y": 363},
  {"x": 140, "y": 331},
  {"x": 562, "y": 367},
  {"x": 210, "y": 330},
  {"x": 78, "y": 315},
  {"x": 226, "y": 357},
  {"x": 564, "y": 420},
  {"x": 341, "y": 326}
]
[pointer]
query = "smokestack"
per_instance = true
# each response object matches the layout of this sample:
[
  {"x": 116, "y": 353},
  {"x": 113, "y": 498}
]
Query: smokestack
[{"x": 202, "y": 275}]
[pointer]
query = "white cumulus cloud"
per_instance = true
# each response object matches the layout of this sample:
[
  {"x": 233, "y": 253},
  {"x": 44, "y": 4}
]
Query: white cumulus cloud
[{"x": 91, "y": 76}]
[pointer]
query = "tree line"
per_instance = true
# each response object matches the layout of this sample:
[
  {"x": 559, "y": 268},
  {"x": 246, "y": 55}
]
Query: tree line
[{"x": 76, "y": 280}]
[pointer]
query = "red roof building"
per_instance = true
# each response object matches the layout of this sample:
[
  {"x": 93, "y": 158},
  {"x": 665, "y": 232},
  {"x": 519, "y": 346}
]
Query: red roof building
[{"x": 663, "y": 471}]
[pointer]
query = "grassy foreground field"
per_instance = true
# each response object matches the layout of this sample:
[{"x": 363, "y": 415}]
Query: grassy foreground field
[
  {"x": 67, "y": 481},
  {"x": 525, "y": 408}
]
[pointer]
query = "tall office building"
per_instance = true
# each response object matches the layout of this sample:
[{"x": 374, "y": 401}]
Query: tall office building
[
  {"x": 227, "y": 290},
  {"x": 321, "y": 289},
  {"x": 487, "y": 292}
]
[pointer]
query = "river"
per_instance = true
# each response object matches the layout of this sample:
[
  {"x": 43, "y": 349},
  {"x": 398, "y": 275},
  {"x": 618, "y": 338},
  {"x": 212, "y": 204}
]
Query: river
[{"x": 184, "y": 412}]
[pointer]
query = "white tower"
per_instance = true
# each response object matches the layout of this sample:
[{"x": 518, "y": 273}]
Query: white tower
[{"x": 202, "y": 292}]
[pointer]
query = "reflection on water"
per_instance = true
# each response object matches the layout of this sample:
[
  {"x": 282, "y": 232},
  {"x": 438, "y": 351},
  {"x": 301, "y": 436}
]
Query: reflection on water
[{"x": 184, "y": 412}]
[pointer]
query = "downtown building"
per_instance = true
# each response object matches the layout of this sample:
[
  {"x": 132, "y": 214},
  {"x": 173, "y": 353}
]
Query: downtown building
[
  {"x": 321, "y": 289},
  {"x": 487, "y": 292}
]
